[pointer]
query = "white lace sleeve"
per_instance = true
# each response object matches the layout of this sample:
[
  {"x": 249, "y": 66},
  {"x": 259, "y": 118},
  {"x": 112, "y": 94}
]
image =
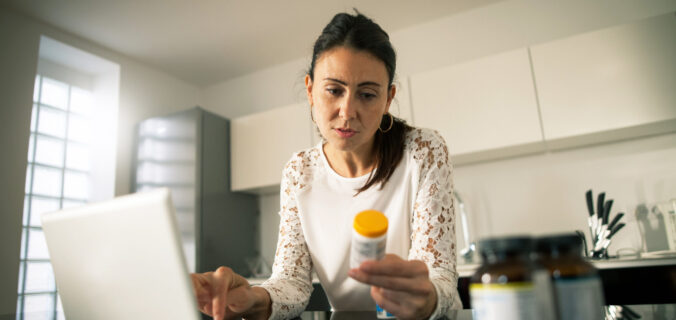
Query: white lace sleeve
[
  {"x": 433, "y": 225},
  {"x": 290, "y": 285}
]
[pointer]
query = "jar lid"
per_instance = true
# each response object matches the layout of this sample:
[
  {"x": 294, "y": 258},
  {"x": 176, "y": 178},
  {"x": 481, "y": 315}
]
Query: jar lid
[
  {"x": 512, "y": 244},
  {"x": 370, "y": 223},
  {"x": 558, "y": 242}
]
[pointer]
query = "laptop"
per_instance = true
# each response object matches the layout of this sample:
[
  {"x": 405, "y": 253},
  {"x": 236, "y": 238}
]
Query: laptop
[{"x": 120, "y": 259}]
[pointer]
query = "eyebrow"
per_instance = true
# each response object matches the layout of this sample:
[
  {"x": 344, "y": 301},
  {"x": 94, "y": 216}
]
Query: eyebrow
[{"x": 366, "y": 83}]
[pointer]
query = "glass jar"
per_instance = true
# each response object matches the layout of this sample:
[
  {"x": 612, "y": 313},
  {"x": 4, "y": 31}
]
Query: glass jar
[
  {"x": 576, "y": 285},
  {"x": 503, "y": 287}
]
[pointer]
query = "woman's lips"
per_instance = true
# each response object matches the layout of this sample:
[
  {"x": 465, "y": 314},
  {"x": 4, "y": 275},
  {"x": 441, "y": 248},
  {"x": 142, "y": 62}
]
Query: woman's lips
[{"x": 345, "y": 133}]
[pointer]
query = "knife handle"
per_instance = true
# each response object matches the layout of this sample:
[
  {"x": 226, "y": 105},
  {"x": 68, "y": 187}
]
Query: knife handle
[
  {"x": 615, "y": 220},
  {"x": 600, "y": 204},
  {"x": 615, "y": 230},
  {"x": 590, "y": 202},
  {"x": 606, "y": 211}
]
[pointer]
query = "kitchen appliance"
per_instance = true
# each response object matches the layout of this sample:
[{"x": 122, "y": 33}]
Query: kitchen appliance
[{"x": 189, "y": 153}]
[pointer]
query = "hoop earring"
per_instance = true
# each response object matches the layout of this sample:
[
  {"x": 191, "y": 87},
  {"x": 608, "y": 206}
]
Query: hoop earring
[
  {"x": 391, "y": 124},
  {"x": 312, "y": 117}
]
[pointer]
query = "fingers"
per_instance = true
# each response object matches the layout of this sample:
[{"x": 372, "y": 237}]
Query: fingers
[
  {"x": 240, "y": 299},
  {"x": 393, "y": 273},
  {"x": 393, "y": 265},
  {"x": 202, "y": 289},
  {"x": 401, "y": 287},
  {"x": 222, "y": 292},
  {"x": 411, "y": 285},
  {"x": 392, "y": 306},
  {"x": 401, "y": 304},
  {"x": 222, "y": 279}
]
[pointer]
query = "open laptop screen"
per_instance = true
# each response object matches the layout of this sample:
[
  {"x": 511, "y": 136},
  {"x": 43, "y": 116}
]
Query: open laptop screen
[{"x": 120, "y": 259}]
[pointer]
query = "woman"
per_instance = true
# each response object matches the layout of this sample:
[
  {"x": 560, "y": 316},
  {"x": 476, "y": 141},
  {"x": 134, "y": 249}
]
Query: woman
[{"x": 368, "y": 159}]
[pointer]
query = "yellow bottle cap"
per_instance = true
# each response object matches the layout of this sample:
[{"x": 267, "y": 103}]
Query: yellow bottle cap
[{"x": 370, "y": 223}]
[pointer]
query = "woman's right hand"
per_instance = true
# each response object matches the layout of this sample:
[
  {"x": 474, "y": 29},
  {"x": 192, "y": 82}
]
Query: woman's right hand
[{"x": 223, "y": 294}]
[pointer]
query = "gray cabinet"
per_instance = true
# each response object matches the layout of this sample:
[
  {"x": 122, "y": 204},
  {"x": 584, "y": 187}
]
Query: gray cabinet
[{"x": 189, "y": 153}]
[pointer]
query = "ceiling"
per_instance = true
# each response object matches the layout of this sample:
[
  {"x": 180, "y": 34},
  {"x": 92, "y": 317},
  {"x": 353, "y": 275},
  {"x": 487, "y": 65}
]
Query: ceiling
[{"x": 209, "y": 41}]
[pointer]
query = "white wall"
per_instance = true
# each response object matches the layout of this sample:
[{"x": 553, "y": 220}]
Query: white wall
[
  {"x": 144, "y": 92},
  {"x": 278, "y": 86},
  {"x": 477, "y": 33},
  {"x": 545, "y": 193},
  {"x": 16, "y": 87}
]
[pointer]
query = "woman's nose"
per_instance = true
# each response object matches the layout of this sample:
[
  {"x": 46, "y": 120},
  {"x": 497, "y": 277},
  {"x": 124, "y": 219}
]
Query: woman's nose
[{"x": 347, "y": 109}]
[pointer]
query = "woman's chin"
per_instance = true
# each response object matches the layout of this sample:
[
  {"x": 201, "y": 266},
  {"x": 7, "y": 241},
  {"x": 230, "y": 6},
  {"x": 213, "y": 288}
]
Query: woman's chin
[{"x": 341, "y": 144}]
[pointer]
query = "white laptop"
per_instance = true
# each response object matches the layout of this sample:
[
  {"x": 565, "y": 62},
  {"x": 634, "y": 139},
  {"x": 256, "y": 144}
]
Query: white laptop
[{"x": 120, "y": 259}]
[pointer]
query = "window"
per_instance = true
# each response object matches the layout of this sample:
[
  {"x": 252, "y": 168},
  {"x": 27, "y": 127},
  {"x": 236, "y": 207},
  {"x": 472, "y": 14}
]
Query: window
[
  {"x": 57, "y": 176},
  {"x": 71, "y": 158}
]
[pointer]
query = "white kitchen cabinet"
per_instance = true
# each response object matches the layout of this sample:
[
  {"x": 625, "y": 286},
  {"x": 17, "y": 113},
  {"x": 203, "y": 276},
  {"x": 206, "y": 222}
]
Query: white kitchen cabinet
[
  {"x": 485, "y": 108},
  {"x": 608, "y": 85},
  {"x": 262, "y": 143}
]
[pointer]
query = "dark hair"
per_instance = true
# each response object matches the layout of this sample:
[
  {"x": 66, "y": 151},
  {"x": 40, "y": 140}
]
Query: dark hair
[{"x": 360, "y": 33}]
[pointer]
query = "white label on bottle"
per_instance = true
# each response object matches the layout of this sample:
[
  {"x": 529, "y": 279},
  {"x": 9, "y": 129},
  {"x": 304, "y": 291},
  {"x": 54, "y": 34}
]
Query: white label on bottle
[
  {"x": 510, "y": 301},
  {"x": 580, "y": 298},
  {"x": 544, "y": 295},
  {"x": 366, "y": 249}
]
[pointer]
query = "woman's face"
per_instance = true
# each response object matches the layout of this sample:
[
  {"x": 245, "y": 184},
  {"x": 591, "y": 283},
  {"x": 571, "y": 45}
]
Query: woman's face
[{"x": 348, "y": 97}]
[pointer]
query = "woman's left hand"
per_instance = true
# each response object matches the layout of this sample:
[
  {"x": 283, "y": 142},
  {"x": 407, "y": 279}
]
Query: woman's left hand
[{"x": 401, "y": 287}]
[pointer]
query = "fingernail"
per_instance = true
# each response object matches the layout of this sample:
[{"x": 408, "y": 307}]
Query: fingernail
[{"x": 352, "y": 272}]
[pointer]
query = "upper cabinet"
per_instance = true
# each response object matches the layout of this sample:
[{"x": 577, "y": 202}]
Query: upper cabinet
[
  {"x": 262, "y": 143},
  {"x": 606, "y": 85},
  {"x": 485, "y": 108}
]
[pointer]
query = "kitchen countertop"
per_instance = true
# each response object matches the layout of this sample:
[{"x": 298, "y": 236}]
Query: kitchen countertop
[
  {"x": 627, "y": 280},
  {"x": 633, "y": 262},
  {"x": 467, "y": 270},
  {"x": 646, "y": 260},
  {"x": 647, "y": 312}
]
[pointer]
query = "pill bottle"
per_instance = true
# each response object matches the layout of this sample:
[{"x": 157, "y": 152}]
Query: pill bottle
[
  {"x": 576, "y": 284},
  {"x": 369, "y": 234},
  {"x": 503, "y": 287}
]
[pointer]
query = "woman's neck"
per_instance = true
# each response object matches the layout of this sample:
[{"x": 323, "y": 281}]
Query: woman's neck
[{"x": 352, "y": 163}]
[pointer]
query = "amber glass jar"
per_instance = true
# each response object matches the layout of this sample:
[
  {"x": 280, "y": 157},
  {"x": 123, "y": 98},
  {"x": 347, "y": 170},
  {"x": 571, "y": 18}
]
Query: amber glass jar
[
  {"x": 576, "y": 284},
  {"x": 503, "y": 286}
]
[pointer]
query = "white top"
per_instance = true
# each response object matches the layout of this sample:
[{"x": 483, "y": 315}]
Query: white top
[{"x": 317, "y": 211}]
